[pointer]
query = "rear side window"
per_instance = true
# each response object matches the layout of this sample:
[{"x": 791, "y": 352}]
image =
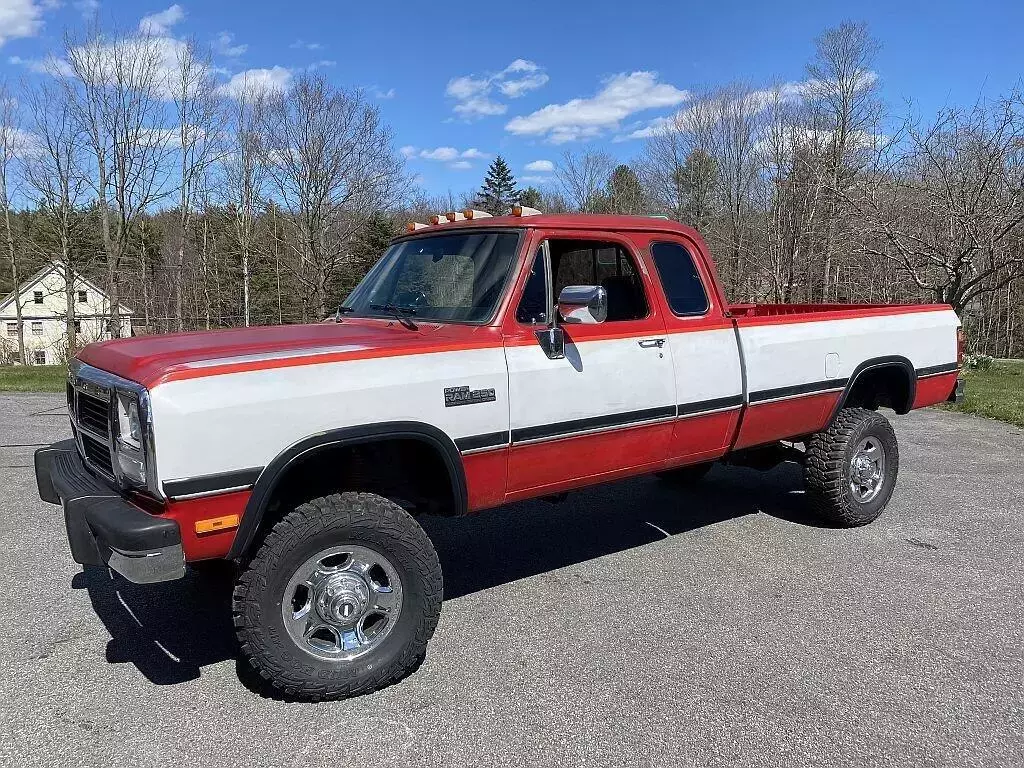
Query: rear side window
[{"x": 680, "y": 279}]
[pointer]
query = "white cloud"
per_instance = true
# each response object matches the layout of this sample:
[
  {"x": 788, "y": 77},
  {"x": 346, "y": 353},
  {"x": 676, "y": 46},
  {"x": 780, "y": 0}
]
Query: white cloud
[
  {"x": 47, "y": 66},
  {"x": 379, "y": 93},
  {"x": 479, "y": 107},
  {"x": 459, "y": 160},
  {"x": 321, "y": 64},
  {"x": 87, "y": 8},
  {"x": 441, "y": 153},
  {"x": 540, "y": 166},
  {"x": 223, "y": 44},
  {"x": 620, "y": 96},
  {"x": 22, "y": 143},
  {"x": 160, "y": 23},
  {"x": 19, "y": 18},
  {"x": 472, "y": 93},
  {"x": 536, "y": 179},
  {"x": 274, "y": 79},
  {"x": 307, "y": 45}
]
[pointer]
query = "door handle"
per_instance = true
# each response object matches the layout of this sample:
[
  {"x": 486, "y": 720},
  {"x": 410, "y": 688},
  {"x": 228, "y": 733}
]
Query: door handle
[{"x": 645, "y": 343}]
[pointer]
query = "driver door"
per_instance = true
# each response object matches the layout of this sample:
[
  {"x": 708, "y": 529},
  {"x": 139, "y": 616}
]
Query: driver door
[{"x": 605, "y": 409}]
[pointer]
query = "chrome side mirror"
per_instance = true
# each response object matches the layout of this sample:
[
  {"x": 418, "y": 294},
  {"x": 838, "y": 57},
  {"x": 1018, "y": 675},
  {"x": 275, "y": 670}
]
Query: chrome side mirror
[
  {"x": 587, "y": 304},
  {"x": 552, "y": 341}
]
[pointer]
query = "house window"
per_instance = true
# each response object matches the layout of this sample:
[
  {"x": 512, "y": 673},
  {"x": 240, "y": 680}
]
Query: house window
[
  {"x": 78, "y": 326},
  {"x": 37, "y": 297},
  {"x": 12, "y": 330},
  {"x": 40, "y": 357},
  {"x": 83, "y": 297},
  {"x": 37, "y": 328}
]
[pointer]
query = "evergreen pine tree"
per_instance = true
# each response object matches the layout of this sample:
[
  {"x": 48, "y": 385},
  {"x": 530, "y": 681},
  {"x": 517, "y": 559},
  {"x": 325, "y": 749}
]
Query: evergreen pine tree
[{"x": 498, "y": 192}]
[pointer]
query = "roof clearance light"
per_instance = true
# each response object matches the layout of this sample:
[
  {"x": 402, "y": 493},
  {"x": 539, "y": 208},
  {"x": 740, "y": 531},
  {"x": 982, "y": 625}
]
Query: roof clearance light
[
  {"x": 437, "y": 218},
  {"x": 454, "y": 216},
  {"x": 412, "y": 226},
  {"x": 473, "y": 213},
  {"x": 522, "y": 210}
]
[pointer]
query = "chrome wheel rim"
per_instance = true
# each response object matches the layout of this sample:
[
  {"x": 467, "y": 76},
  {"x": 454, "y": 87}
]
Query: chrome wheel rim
[
  {"x": 867, "y": 470},
  {"x": 341, "y": 603}
]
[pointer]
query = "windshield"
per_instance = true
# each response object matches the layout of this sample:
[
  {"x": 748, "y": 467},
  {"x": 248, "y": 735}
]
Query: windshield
[{"x": 455, "y": 277}]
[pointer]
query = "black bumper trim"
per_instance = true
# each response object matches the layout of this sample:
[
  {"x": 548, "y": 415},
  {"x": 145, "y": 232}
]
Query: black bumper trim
[{"x": 103, "y": 527}]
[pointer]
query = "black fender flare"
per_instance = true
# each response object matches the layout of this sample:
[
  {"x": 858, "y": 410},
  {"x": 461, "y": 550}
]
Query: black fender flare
[
  {"x": 872, "y": 364},
  {"x": 272, "y": 474}
]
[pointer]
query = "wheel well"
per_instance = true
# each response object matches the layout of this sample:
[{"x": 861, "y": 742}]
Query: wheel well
[
  {"x": 415, "y": 471},
  {"x": 888, "y": 385}
]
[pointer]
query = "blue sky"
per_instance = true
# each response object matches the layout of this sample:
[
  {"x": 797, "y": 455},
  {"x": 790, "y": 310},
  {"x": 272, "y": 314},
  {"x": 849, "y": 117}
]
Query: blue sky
[{"x": 462, "y": 82}]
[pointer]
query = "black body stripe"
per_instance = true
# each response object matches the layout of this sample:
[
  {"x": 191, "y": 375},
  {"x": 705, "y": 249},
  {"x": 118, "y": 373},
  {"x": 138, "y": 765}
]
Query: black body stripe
[
  {"x": 595, "y": 422},
  {"x": 933, "y": 369},
  {"x": 221, "y": 481},
  {"x": 689, "y": 409},
  {"x": 477, "y": 442},
  {"x": 797, "y": 389}
]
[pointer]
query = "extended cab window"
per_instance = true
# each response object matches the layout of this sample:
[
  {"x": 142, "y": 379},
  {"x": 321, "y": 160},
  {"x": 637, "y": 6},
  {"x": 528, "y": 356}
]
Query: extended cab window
[
  {"x": 455, "y": 277},
  {"x": 680, "y": 279}
]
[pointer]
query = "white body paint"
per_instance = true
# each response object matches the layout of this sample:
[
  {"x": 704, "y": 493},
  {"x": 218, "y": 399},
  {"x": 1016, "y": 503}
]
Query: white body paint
[{"x": 235, "y": 421}]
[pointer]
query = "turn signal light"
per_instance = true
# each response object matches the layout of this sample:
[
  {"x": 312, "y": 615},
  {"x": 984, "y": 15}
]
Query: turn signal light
[{"x": 217, "y": 524}]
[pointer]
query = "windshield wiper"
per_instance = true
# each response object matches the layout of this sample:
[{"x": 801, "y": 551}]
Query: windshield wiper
[{"x": 399, "y": 313}]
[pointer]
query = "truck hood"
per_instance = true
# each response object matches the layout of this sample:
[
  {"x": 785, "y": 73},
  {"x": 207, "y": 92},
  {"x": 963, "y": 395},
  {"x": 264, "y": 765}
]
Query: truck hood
[{"x": 152, "y": 360}]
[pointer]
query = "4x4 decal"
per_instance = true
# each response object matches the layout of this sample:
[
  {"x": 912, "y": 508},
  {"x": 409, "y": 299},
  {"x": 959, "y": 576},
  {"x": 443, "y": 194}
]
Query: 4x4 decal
[{"x": 466, "y": 396}]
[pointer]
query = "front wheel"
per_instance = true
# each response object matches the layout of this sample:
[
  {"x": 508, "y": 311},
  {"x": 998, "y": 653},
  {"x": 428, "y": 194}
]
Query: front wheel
[
  {"x": 850, "y": 468},
  {"x": 340, "y": 599}
]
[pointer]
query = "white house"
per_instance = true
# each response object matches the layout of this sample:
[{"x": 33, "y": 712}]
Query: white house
[{"x": 44, "y": 313}]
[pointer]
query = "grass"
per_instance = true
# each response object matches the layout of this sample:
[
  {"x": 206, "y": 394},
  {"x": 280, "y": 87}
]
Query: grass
[
  {"x": 997, "y": 393},
  {"x": 33, "y": 378}
]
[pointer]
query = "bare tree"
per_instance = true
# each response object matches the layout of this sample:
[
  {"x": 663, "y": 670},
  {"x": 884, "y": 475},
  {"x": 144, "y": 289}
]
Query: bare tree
[
  {"x": 946, "y": 203},
  {"x": 54, "y": 170},
  {"x": 245, "y": 174},
  {"x": 199, "y": 117},
  {"x": 117, "y": 85},
  {"x": 843, "y": 91},
  {"x": 10, "y": 140},
  {"x": 332, "y": 164},
  {"x": 581, "y": 178}
]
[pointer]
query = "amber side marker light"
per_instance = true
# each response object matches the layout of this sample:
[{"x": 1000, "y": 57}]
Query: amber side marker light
[
  {"x": 523, "y": 210},
  {"x": 412, "y": 226},
  {"x": 473, "y": 213},
  {"x": 455, "y": 216},
  {"x": 217, "y": 524}
]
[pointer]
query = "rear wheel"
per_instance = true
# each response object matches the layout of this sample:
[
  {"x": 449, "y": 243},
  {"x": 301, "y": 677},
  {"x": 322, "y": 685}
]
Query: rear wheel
[
  {"x": 850, "y": 468},
  {"x": 686, "y": 475},
  {"x": 340, "y": 599}
]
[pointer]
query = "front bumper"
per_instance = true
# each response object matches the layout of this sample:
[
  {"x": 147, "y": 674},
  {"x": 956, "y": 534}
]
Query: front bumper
[
  {"x": 103, "y": 527},
  {"x": 957, "y": 395}
]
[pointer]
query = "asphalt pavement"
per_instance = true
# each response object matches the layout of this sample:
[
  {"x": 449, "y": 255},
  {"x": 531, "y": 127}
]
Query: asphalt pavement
[{"x": 633, "y": 624}]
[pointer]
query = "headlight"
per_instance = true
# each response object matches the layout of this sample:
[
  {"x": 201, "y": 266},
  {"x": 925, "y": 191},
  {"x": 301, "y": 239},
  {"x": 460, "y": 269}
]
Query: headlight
[{"x": 130, "y": 455}]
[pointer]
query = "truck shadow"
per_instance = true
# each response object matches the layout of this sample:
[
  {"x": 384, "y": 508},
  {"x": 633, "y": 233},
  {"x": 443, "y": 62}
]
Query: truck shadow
[{"x": 171, "y": 631}]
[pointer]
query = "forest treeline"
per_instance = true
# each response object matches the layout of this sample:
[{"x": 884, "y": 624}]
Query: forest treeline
[{"x": 205, "y": 207}]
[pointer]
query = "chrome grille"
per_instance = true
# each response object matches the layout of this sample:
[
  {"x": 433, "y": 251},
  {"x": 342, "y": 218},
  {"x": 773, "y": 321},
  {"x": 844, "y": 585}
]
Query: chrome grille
[{"x": 93, "y": 414}]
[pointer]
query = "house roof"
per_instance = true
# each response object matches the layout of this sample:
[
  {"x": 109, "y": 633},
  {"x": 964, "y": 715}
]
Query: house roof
[{"x": 46, "y": 269}]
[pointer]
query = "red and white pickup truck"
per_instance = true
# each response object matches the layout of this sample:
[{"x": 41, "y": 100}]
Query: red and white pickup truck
[{"x": 482, "y": 360}]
